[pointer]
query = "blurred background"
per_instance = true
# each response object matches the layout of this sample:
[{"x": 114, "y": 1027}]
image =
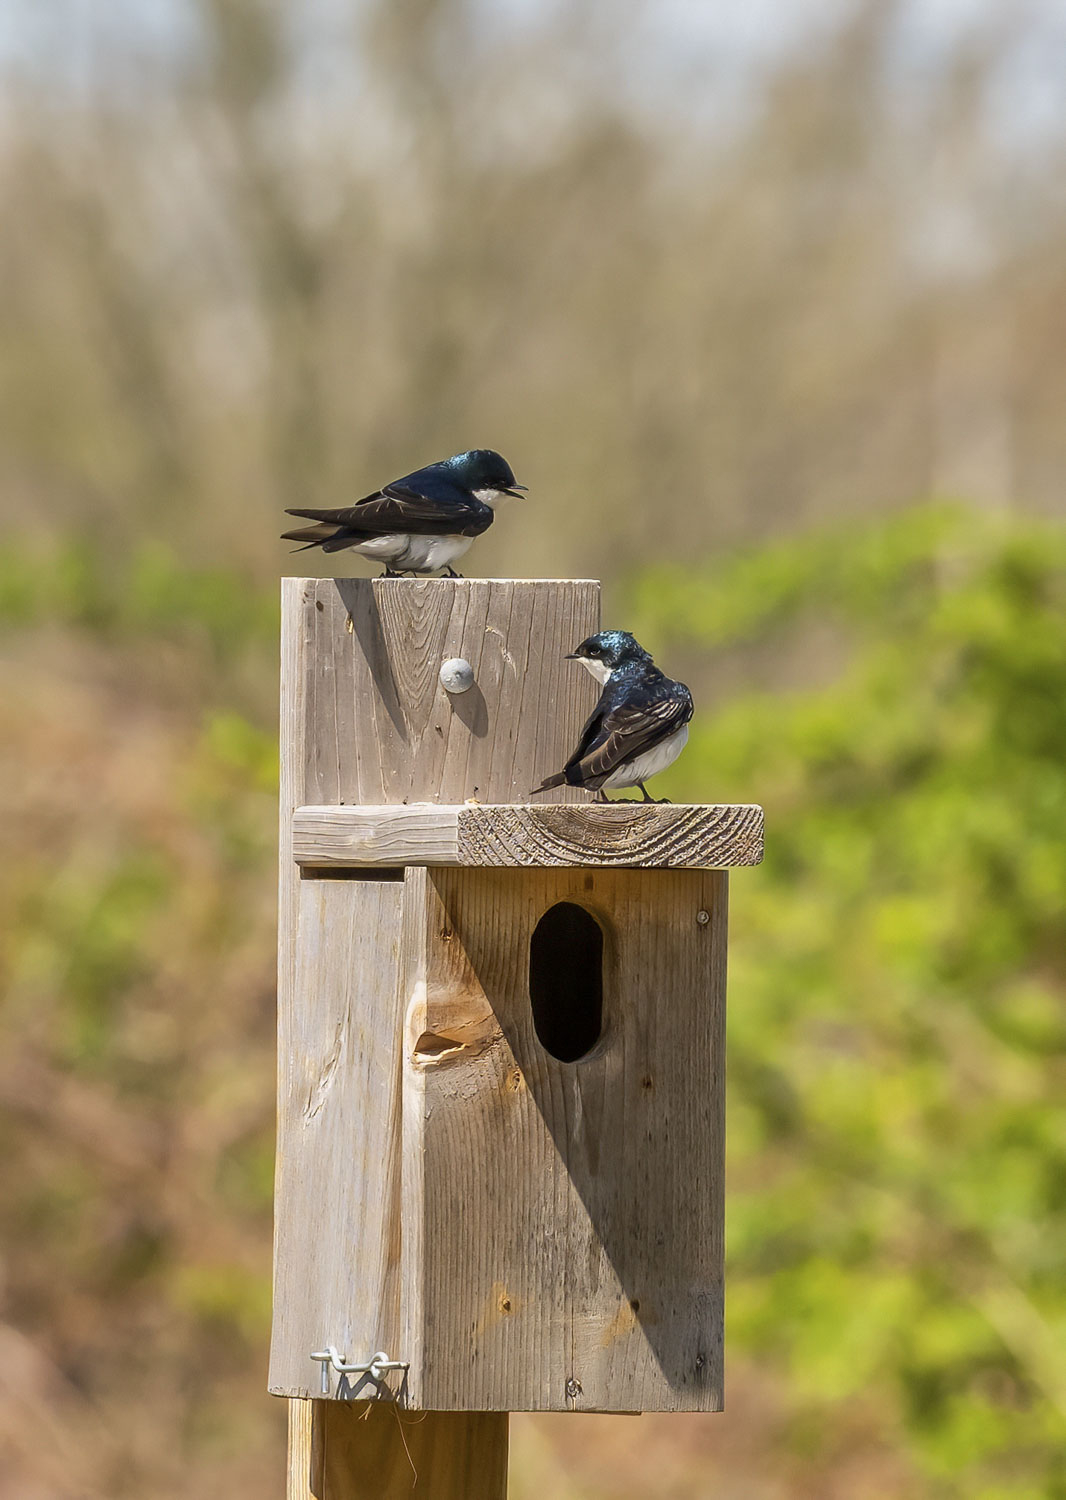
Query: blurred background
[{"x": 766, "y": 304}]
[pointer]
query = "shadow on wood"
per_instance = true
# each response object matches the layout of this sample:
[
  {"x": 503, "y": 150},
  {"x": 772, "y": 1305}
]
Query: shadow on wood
[
  {"x": 362, "y": 606},
  {"x": 350, "y": 1451}
]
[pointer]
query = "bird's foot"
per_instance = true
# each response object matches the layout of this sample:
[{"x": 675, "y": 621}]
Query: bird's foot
[{"x": 451, "y": 573}]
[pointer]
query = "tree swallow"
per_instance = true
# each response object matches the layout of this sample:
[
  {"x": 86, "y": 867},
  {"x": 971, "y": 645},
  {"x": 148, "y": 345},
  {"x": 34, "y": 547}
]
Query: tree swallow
[
  {"x": 638, "y": 727},
  {"x": 418, "y": 523}
]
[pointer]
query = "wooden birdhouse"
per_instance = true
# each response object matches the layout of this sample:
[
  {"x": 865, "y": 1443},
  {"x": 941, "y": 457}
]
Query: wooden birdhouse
[{"x": 500, "y": 1173}]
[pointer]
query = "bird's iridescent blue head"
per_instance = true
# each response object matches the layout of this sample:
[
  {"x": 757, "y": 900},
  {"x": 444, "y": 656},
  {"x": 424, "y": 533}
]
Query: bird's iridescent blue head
[
  {"x": 485, "y": 472},
  {"x": 608, "y": 651}
]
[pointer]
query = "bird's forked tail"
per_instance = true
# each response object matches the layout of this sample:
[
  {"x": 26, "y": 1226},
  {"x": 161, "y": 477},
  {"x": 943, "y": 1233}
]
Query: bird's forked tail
[{"x": 549, "y": 782}]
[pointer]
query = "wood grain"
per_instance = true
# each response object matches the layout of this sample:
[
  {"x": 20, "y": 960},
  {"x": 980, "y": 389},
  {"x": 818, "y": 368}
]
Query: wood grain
[
  {"x": 527, "y": 1233},
  {"x": 293, "y": 755},
  {"x": 375, "y": 1451},
  {"x": 337, "y": 1268},
  {"x": 627, "y": 834},
  {"x": 299, "y": 1478},
  {"x": 343, "y": 837},
  {"x": 378, "y": 728},
  {"x": 571, "y": 1257},
  {"x": 632, "y": 835},
  {"x": 364, "y": 719}
]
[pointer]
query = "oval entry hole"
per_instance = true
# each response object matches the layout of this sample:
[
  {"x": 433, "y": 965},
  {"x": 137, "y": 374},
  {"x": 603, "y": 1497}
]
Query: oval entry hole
[{"x": 566, "y": 981}]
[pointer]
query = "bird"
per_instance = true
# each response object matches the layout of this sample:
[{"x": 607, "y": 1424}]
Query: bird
[
  {"x": 419, "y": 523},
  {"x": 639, "y": 726}
]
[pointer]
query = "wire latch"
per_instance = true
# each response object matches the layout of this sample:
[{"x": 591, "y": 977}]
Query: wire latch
[{"x": 375, "y": 1366}]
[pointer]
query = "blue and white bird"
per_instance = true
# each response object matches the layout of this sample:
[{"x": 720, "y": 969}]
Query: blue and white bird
[
  {"x": 419, "y": 523},
  {"x": 639, "y": 726}
]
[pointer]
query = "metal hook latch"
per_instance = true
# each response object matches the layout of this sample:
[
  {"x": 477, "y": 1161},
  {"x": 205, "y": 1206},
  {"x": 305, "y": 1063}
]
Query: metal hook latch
[{"x": 375, "y": 1366}]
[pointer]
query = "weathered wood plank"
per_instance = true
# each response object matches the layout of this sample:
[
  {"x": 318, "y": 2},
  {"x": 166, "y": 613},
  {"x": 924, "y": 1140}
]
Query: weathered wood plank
[
  {"x": 572, "y": 1250},
  {"x": 338, "y": 1234},
  {"x": 380, "y": 729},
  {"x": 644, "y": 835},
  {"x": 293, "y": 753},
  {"x": 629, "y": 835},
  {"x": 351, "y": 836}
]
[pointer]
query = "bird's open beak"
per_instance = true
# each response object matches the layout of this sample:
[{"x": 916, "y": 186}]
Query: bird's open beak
[{"x": 517, "y": 490}]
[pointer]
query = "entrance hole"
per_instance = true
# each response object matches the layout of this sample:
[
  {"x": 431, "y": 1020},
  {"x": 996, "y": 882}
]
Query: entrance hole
[{"x": 566, "y": 981}]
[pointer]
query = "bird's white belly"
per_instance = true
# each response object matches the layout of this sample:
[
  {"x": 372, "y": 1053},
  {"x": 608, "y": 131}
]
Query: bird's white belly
[
  {"x": 419, "y": 554},
  {"x": 382, "y": 548},
  {"x": 633, "y": 772}
]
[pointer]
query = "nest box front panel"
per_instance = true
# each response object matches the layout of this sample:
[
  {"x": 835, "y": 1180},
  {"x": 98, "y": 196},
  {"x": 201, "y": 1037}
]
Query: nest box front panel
[{"x": 563, "y": 1139}]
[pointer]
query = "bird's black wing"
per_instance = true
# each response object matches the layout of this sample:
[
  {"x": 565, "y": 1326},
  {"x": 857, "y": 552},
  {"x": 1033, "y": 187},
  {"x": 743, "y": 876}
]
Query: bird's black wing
[
  {"x": 590, "y": 733},
  {"x": 617, "y": 733},
  {"x": 447, "y": 511}
]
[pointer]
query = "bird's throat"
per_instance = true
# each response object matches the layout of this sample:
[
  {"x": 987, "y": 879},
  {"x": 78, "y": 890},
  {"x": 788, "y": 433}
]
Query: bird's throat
[{"x": 598, "y": 669}]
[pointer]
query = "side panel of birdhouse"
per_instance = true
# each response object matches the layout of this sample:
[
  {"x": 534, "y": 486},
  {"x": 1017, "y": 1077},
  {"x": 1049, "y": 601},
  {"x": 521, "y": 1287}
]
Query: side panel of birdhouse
[
  {"x": 337, "y": 1242},
  {"x": 569, "y": 1254}
]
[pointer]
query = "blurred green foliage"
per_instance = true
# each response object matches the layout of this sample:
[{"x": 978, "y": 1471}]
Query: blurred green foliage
[
  {"x": 897, "y": 1136},
  {"x": 138, "y": 791},
  {"x": 74, "y": 581}
]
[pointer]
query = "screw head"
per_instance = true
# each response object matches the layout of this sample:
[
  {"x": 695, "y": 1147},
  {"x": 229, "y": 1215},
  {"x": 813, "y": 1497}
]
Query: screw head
[
  {"x": 703, "y": 917},
  {"x": 573, "y": 1389},
  {"x": 456, "y": 675}
]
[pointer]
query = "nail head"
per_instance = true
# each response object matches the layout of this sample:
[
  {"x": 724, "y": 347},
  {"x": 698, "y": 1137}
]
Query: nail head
[{"x": 456, "y": 675}]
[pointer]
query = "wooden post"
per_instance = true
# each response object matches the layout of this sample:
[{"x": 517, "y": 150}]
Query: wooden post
[
  {"x": 501, "y": 1048},
  {"x": 365, "y": 721},
  {"x": 365, "y": 1450}
]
